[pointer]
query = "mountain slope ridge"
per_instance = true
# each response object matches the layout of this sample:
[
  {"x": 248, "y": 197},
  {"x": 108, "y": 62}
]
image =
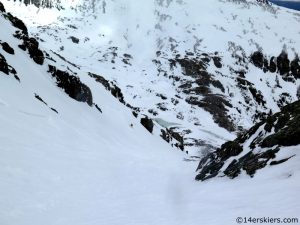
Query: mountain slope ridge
[
  {"x": 81, "y": 166},
  {"x": 173, "y": 64}
]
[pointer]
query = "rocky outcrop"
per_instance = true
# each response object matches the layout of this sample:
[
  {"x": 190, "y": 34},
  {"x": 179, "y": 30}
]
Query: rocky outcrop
[
  {"x": 3, "y": 65},
  {"x": 6, "y": 47},
  {"x": 29, "y": 43},
  {"x": 16, "y": 23},
  {"x": 41, "y": 100},
  {"x": 110, "y": 86},
  {"x": 265, "y": 138},
  {"x": 74, "y": 39},
  {"x": 281, "y": 64},
  {"x": 2, "y": 9},
  {"x": 7, "y": 69},
  {"x": 148, "y": 124},
  {"x": 196, "y": 68},
  {"x": 72, "y": 85},
  {"x": 32, "y": 45}
]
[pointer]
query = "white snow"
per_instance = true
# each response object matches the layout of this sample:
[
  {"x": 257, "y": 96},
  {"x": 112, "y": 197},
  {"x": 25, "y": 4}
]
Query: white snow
[{"x": 82, "y": 167}]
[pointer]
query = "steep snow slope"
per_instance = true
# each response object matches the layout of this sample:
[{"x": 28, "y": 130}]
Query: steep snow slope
[
  {"x": 78, "y": 166},
  {"x": 183, "y": 62}
]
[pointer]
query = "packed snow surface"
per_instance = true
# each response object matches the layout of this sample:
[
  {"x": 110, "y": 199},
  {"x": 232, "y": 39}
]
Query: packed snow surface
[{"x": 83, "y": 167}]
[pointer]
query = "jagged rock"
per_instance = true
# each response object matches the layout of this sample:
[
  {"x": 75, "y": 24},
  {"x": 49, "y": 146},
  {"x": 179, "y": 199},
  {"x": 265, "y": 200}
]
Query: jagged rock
[
  {"x": 280, "y": 64},
  {"x": 114, "y": 89},
  {"x": 295, "y": 67},
  {"x": 3, "y": 65},
  {"x": 216, "y": 105},
  {"x": 283, "y": 63},
  {"x": 280, "y": 129},
  {"x": 40, "y": 99},
  {"x": 22, "y": 46},
  {"x": 148, "y": 124},
  {"x": 229, "y": 149},
  {"x": 17, "y": 23},
  {"x": 7, "y": 48},
  {"x": 33, "y": 48},
  {"x": 257, "y": 59},
  {"x": 257, "y": 95},
  {"x": 287, "y": 127},
  {"x": 217, "y": 62},
  {"x": 98, "y": 108},
  {"x": 280, "y": 161},
  {"x": 74, "y": 39},
  {"x": 72, "y": 85},
  {"x": 165, "y": 135},
  {"x": 272, "y": 66},
  {"x": 2, "y": 9}
]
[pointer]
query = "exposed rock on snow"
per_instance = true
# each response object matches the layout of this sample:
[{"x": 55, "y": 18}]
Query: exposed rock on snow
[
  {"x": 7, "y": 48},
  {"x": 72, "y": 85},
  {"x": 255, "y": 149},
  {"x": 147, "y": 123}
]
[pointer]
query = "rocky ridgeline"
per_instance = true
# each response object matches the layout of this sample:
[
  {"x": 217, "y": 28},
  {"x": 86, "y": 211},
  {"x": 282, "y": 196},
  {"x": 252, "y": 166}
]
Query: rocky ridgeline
[
  {"x": 256, "y": 148},
  {"x": 289, "y": 69},
  {"x": 71, "y": 84}
]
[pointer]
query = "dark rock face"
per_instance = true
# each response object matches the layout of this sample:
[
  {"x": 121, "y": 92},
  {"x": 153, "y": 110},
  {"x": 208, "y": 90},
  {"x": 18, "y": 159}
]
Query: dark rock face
[
  {"x": 283, "y": 63},
  {"x": 72, "y": 85},
  {"x": 280, "y": 129},
  {"x": 288, "y": 69},
  {"x": 272, "y": 66},
  {"x": 217, "y": 62},
  {"x": 7, "y": 48},
  {"x": 74, "y": 39},
  {"x": 17, "y": 23},
  {"x": 295, "y": 68},
  {"x": 2, "y": 9},
  {"x": 35, "y": 53},
  {"x": 215, "y": 104},
  {"x": 28, "y": 43},
  {"x": 33, "y": 49},
  {"x": 287, "y": 127},
  {"x": 229, "y": 149},
  {"x": 148, "y": 124},
  {"x": 257, "y": 58},
  {"x": 114, "y": 89},
  {"x": 3, "y": 65},
  {"x": 7, "y": 69}
]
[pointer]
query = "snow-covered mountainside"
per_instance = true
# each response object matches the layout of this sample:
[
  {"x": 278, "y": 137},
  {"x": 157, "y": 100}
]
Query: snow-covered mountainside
[
  {"x": 81, "y": 81},
  {"x": 207, "y": 69}
]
